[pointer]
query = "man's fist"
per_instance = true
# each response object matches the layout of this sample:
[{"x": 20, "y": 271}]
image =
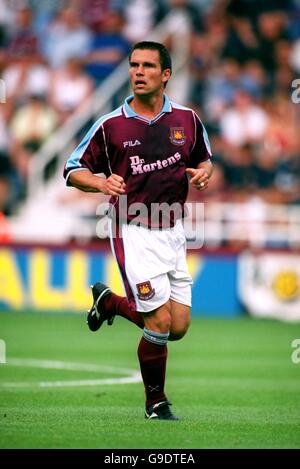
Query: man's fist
[
  {"x": 198, "y": 178},
  {"x": 114, "y": 185}
]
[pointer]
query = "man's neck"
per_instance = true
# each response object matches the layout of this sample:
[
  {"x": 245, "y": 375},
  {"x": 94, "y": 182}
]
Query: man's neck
[{"x": 147, "y": 107}]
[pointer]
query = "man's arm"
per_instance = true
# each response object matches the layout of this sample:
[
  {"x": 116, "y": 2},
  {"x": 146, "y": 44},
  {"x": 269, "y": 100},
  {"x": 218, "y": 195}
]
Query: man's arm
[
  {"x": 199, "y": 177},
  {"x": 86, "y": 181}
]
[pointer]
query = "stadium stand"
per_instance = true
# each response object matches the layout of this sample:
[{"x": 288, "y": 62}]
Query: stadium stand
[{"x": 62, "y": 66}]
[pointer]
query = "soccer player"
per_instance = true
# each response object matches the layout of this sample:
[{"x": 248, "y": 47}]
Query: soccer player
[{"x": 150, "y": 149}]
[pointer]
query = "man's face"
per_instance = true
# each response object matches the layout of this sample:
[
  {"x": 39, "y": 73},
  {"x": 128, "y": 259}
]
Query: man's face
[{"x": 146, "y": 75}]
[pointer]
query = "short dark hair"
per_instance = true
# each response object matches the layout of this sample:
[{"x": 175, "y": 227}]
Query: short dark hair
[{"x": 164, "y": 56}]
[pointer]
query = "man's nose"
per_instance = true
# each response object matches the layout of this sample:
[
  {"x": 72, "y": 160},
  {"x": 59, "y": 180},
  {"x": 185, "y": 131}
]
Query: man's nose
[{"x": 140, "y": 70}]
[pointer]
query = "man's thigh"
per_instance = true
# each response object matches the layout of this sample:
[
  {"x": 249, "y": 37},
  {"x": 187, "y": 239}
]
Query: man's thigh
[
  {"x": 180, "y": 280},
  {"x": 150, "y": 294},
  {"x": 144, "y": 259}
]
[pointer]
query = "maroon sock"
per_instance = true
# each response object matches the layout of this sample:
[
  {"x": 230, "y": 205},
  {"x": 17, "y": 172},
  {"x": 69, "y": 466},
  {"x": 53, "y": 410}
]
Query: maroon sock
[
  {"x": 118, "y": 305},
  {"x": 153, "y": 359}
]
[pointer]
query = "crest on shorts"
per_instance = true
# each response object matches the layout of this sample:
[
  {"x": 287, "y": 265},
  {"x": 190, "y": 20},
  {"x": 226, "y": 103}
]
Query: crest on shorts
[
  {"x": 177, "y": 136},
  {"x": 145, "y": 290}
]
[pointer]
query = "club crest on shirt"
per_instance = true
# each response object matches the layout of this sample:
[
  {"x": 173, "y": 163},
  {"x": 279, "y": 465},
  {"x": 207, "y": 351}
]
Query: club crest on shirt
[
  {"x": 145, "y": 290},
  {"x": 177, "y": 136}
]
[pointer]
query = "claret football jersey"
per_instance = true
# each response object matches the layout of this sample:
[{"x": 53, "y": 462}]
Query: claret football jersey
[{"x": 150, "y": 155}]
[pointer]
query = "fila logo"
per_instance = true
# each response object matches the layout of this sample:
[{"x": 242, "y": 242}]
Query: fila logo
[{"x": 130, "y": 143}]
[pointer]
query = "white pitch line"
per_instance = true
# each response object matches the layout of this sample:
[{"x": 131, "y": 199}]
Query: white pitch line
[
  {"x": 135, "y": 377},
  {"x": 61, "y": 365},
  {"x": 83, "y": 382}
]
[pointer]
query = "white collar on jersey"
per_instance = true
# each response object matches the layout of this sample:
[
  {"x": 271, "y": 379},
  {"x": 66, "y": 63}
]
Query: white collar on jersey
[{"x": 129, "y": 112}]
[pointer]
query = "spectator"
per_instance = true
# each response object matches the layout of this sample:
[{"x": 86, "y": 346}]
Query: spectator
[
  {"x": 30, "y": 126},
  {"x": 70, "y": 88},
  {"x": 254, "y": 79},
  {"x": 189, "y": 10},
  {"x": 239, "y": 169},
  {"x": 221, "y": 88},
  {"x": 66, "y": 37},
  {"x": 140, "y": 17},
  {"x": 93, "y": 12},
  {"x": 108, "y": 47},
  {"x": 244, "y": 122},
  {"x": 271, "y": 29},
  {"x": 241, "y": 43},
  {"x": 26, "y": 76},
  {"x": 23, "y": 41}
]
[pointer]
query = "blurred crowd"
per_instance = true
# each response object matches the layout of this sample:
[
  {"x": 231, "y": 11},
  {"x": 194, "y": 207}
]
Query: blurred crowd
[
  {"x": 244, "y": 61},
  {"x": 244, "y": 57}
]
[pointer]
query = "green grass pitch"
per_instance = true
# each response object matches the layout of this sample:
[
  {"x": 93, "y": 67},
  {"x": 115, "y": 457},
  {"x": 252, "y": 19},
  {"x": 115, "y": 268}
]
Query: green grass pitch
[{"x": 232, "y": 382}]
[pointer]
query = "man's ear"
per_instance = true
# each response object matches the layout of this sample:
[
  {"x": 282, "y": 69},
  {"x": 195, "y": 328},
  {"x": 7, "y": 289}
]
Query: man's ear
[{"x": 166, "y": 75}]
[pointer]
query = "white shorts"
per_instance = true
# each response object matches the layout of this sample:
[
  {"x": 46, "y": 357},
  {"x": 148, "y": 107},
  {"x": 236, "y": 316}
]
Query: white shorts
[{"x": 153, "y": 266}]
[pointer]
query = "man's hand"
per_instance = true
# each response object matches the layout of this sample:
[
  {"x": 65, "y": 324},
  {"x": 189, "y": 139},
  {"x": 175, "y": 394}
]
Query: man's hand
[
  {"x": 88, "y": 182},
  {"x": 114, "y": 185},
  {"x": 198, "y": 178}
]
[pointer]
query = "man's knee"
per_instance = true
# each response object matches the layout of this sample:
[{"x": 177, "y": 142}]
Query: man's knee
[
  {"x": 159, "y": 320},
  {"x": 181, "y": 314},
  {"x": 179, "y": 328}
]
